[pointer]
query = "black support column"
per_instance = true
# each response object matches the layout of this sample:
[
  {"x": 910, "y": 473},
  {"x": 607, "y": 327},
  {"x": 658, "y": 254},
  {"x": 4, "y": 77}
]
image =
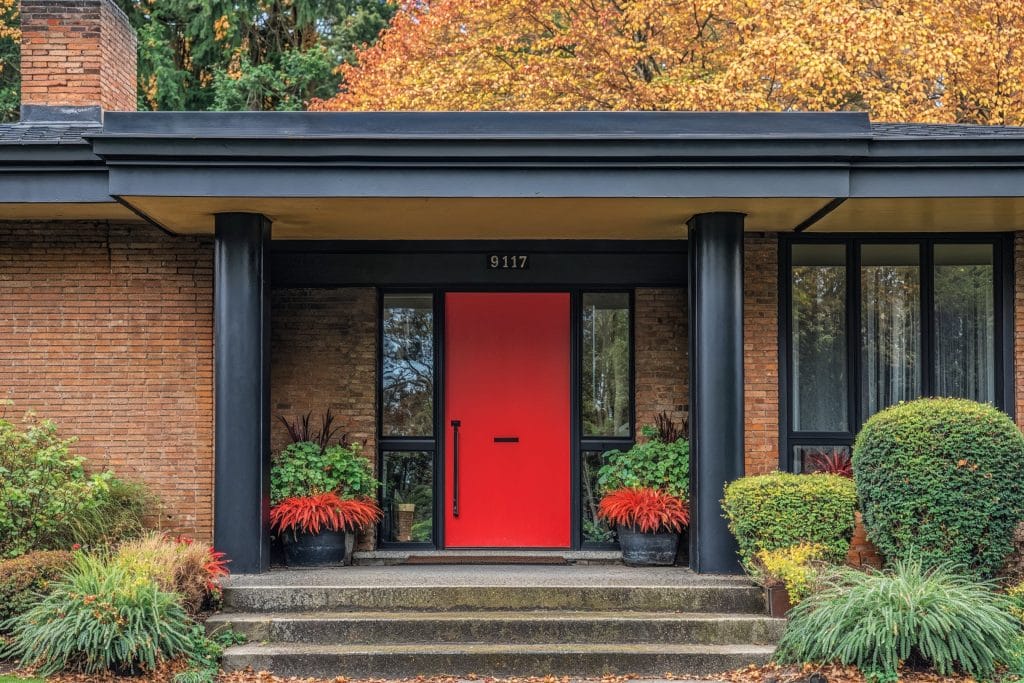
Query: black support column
[
  {"x": 242, "y": 390},
  {"x": 716, "y": 383}
]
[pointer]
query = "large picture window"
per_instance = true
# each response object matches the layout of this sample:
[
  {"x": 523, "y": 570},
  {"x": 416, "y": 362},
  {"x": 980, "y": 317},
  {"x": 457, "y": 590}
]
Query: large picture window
[{"x": 870, "y": 323}]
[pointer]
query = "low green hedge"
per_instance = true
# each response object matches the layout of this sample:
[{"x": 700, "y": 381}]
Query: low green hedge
[
  {"x": 24, "y": 579},
  {"x": 779, "y": 510},
  {"x": 941, "y": 480}
]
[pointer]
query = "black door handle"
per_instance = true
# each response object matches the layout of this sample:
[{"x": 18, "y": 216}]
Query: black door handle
[
  {"x": 506, "y": 439},
  {"x": 455, "y": 467}
]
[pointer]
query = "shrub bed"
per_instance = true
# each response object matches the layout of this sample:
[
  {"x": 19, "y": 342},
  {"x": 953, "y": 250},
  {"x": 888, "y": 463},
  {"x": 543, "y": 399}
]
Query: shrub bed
[
  {"x": 910, "y": 614},
  {"x": 24, "y": 579},
  {"x": 941, "y": 480},
  {"x": 780, "y": 510}
]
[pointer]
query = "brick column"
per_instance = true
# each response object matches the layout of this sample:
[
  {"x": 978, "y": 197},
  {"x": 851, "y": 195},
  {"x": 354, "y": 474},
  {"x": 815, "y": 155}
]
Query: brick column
[{"x": 761, "y": 354}]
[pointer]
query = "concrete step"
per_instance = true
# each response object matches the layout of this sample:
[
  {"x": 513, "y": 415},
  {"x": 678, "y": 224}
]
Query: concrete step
[
  {"x": 409, "y": 660},
  {"x": 564, "y": 627},
  {"x": 696, "y": 597}
]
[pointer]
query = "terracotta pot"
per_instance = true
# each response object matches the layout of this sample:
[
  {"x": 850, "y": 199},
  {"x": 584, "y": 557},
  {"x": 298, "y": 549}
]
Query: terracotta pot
[
  {"x": 406, "y": 518},
  {"x": 778, "y": 600}
]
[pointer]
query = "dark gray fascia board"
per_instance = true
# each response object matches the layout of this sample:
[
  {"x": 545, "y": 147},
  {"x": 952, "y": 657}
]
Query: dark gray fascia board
[
  {"x": 478, "y": 181},
  {"x": 54, "y": 186},
  {"x": 45, "y": 154},
  {"x": 485, "y": 125},
  {"x": 960, "y": 180}
]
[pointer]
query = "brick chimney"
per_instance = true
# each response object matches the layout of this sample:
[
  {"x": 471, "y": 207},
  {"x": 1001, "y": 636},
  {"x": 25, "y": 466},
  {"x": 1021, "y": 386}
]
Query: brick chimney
[{"x": 78, "y": 58}]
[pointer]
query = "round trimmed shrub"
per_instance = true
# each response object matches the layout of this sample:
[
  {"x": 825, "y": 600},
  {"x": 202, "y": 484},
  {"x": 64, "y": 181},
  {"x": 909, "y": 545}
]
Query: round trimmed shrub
[
  {"x": 780, "y": 510},
  {"x": 941, "y": 480},
  {"x": 24, "y": 579}
]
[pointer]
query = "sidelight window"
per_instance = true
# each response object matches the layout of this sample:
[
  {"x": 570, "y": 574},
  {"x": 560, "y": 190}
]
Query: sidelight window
[{"x": 870, "y": 323}]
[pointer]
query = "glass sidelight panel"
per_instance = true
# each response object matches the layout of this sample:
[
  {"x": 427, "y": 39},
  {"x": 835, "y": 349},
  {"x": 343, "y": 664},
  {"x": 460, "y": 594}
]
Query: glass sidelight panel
[
  {"x": 407, "y": 349},
  {"x": 833, "y": 459},
  {"x": 819, "y": 367},
  {"x": 605, "y": 364},
  {"x": 594, "y": 529},
  {"x": 408, "y": 497},
  {"x": 964, "y": 338},
  {"x": 890, "y": 279}
]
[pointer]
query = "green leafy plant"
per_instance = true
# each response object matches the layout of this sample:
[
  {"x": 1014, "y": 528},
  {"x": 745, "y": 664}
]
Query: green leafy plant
[
  {"x": 205, "y": 652},
  {"x": 101, "y": 616},
  {"x": 24, "y": 579},
  {"x": 941, "y": 480},
  {"x": 780, "y": 510},
  {"x": 47, "y": 499},
  {"x": 652, "y": 463},
  {"x": 794, "y": 567},
  {"x": 303, "y": 468},
  {"x": 937, "y": 617}
]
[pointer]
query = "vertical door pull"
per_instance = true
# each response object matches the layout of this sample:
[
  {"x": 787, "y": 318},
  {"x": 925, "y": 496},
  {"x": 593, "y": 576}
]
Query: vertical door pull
[{"x": 455, "y": 467}]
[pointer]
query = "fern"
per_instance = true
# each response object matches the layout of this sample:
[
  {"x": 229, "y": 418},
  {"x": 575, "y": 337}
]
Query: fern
[{"x": 880, "y": 620}]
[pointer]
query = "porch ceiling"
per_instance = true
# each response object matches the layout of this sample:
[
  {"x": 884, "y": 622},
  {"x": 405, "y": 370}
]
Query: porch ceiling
[
  {"x": 74, "y": 211},
  {"x": 924, "y": 214},
  {"x": 376, "y": 218}
]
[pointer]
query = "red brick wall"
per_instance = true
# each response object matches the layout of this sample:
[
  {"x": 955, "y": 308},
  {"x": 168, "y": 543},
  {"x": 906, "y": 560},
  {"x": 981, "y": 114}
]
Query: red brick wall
[
  {"x": 761, "y": 353},
  {"x": 79, "y": 53},
  {"x": 108, "y": 330},
  {"x": 323, "y": 354},
  {"x": 1018, "y": 325},
  {"x": 662, "y": 355}
]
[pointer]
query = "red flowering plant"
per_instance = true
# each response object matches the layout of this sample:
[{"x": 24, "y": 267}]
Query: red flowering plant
[
  {"x": 323, "y": 512},
  {"x": 830, "y": 462},
  {"x": 648, "y": 510}
]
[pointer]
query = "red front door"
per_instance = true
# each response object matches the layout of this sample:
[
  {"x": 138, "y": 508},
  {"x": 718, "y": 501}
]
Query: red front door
[{"x": 507, "y": 388}]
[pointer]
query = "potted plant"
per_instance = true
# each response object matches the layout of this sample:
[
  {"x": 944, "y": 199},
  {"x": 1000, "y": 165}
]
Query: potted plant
[
  {"x": 661, "y": 461},
  {"x": 788, "y": 574},
  {"x": 648, "y": 522},
  {"x": 321, "y": 494},
  {"x": 321, "y": 528}
]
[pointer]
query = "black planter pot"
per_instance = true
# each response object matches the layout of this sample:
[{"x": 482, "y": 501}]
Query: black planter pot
[
  {"x": 655, "y": 549},
  {"x": 316, "y": 550}
]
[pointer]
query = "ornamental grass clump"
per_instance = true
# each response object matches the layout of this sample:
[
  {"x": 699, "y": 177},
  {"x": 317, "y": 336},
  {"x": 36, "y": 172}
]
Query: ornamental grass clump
[
  {"x": 909, "y": 615},
  {"x": 178, "y": 565},
  {"x": 942, "y": 480},
  {"x": 103, "y": 615},
  {"x": 645, "y": 509},
  {"x": 323, "y": 512}
]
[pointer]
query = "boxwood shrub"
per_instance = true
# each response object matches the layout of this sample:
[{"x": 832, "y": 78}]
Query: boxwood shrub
[
  {"x": 941, "y": 480},
  {"x": 779, "y": 510}
]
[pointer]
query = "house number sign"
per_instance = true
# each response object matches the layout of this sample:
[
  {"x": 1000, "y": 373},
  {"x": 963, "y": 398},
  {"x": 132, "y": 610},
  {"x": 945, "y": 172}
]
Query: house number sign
[{"x": 508, "y": 261}]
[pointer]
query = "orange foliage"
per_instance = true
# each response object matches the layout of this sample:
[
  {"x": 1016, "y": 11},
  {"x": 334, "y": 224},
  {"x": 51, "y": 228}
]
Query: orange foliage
[
  {"x": 906, "y": 60},
  {"x": 644, "y": 508},
  {"x": 323, "y": 511}
]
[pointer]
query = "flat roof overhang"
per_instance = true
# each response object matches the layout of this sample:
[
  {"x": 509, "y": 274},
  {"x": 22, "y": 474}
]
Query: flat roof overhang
[{"x": 443, "y": 175}]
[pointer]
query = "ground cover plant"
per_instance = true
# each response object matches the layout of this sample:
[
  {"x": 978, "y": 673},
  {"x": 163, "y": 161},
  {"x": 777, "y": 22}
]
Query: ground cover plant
[
  {"x": 934, "y": 617},
  {"x": 780, "y": 510},
  {"x": 941, "y": 480}
]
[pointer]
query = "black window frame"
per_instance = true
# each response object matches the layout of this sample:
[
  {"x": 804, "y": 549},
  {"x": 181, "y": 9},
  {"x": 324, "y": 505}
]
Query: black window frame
[
  {"x": 436, "y": 443},
  {"x": 1002, "y": 283}
]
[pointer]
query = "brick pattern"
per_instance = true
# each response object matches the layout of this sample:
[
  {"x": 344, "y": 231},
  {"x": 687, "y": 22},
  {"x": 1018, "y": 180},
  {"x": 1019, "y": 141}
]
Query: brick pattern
[
  {"x": 323, "y": 354},
  {"x": 77, "y": 53},
  {"x": 761, "y": 354},
  {"x": 1018, "y": 325},
  {"x": 108, "y": 330},
  {"x": 661, "y": 355}
]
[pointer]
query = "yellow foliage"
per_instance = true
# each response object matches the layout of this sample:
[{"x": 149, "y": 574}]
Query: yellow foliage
[
  {"x": 794, "y": 567},
  {"x": 907, "y": 60},
  {"x": 1016, "y": 594}
]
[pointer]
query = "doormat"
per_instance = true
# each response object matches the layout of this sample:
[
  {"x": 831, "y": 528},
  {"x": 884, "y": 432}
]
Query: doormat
[{"x": 485, "y": 559}]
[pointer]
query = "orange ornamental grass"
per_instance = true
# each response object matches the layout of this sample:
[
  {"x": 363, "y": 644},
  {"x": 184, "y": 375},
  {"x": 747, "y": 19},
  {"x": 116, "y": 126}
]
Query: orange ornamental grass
[
  {"x": 646, "y": 509},
  {"x": 323, "y": 512}
]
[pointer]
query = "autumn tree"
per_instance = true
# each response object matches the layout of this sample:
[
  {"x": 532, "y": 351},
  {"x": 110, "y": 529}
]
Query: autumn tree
[
  {"x": 247, "y": 54},
  {"x": 911, "y": 60},
  {"x": 10, "y": 75}
]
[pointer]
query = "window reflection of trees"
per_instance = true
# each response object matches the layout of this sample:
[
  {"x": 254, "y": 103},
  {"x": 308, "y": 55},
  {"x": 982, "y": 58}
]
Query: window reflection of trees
[
  {"x": 408, "y": 367},
  {"x": 605, "y": 371},
  {"x": 819, "y": 355}
]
